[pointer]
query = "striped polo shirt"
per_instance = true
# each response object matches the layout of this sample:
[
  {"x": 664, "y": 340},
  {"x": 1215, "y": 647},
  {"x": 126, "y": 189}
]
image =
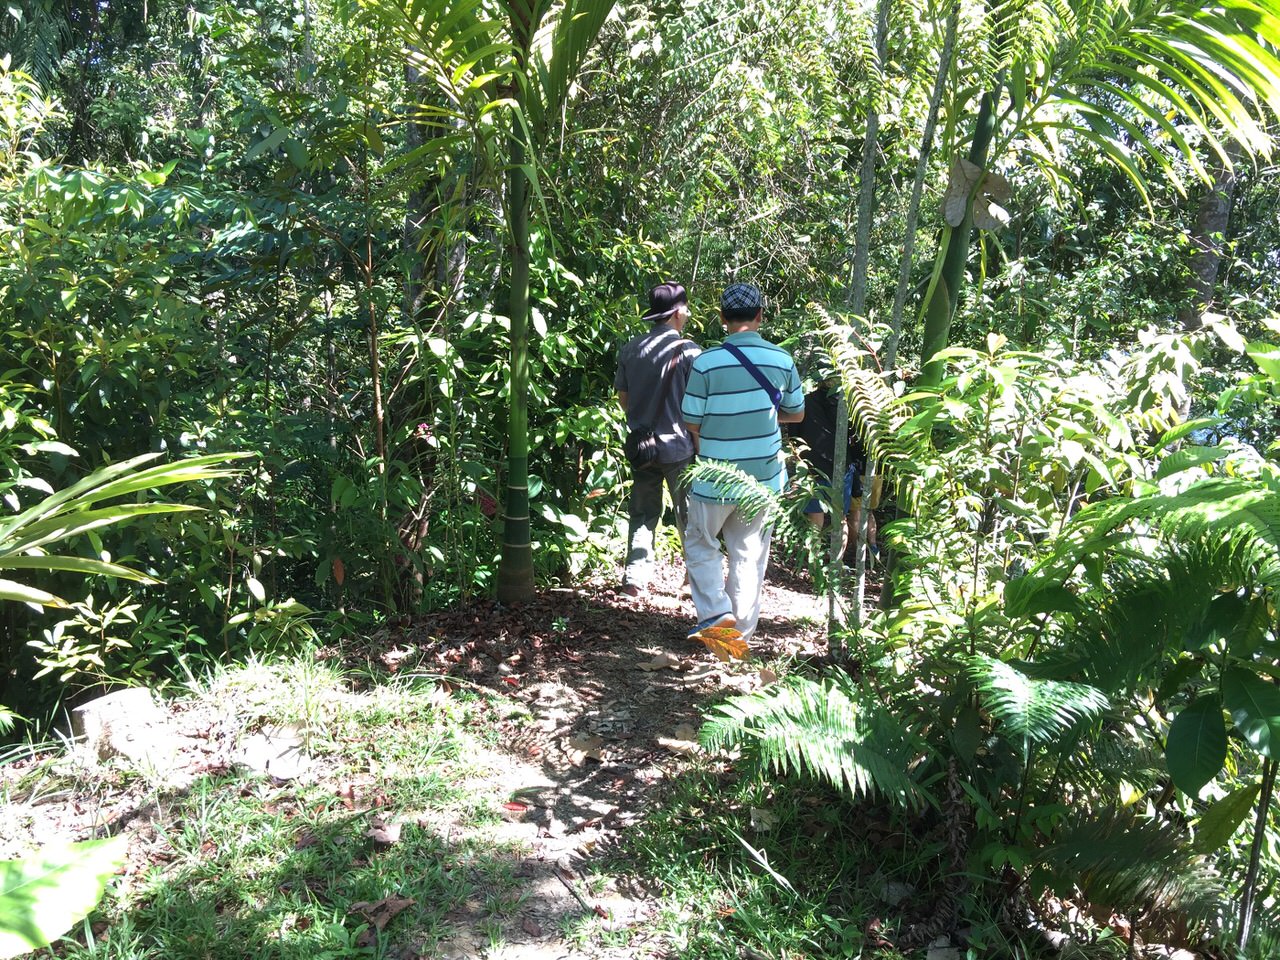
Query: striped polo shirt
[{"x": 738, "y": 423}]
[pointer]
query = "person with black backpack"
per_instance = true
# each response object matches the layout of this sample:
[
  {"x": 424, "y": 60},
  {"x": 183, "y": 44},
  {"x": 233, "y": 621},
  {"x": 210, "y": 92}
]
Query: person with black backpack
[
  {"x": 653, "y": 369},
  {"x": 738, "y": 394}
]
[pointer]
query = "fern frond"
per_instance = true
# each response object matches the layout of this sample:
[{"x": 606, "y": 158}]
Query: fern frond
[
  {"x": 797, "y": 535},
  {"x": 731, "y": 482},
  {"x": 829, "y": 730},
  {"x": 1219, "y": 534},
  {"x": 875, "y": 411},
  {"x": 1033, "y": 710},
  {"x": 1115, "y": 758},
  {"x": 1129, "y": 865}
]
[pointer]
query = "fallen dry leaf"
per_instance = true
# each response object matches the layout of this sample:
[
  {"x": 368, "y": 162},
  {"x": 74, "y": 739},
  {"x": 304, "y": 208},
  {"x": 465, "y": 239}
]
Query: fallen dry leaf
[
  {"x": 514, "y": 811},
  {"x": 582, "y": 747},
  {"x": 725, "y": 642},
  {"x": 767, "y": 676},
  {"x": 702, "y": 672},
  {"x": 684, "y": 740},
  {"x": 762, "y": 820},
  {"x": 530, "y": 926},
  {"x": 391, "y": 659},
  {"x": 663, "y": 661},
  {"x": 382, "y": 912},
  {"x": 382, "y": 832}
]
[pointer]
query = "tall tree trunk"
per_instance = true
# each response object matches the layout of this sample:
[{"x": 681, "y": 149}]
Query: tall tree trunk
[
  {"x": 945, "y": 288},
  {"x": 515, "y": 570},
  {"x": 1249, "y": 891},
  {"x": 1208, "y": 239},
  {"x": 858, "y": 304},
  {"x": 917, "y": 192},
  {"x": 415, "y": 213}
]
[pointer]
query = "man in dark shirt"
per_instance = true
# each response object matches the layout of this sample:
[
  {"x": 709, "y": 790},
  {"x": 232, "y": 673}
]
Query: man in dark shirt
[
  {"x": 818, "y": 431},
  {"x": 653, "y": 370}
]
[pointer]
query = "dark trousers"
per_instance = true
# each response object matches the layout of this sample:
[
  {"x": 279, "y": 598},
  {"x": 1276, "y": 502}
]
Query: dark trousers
[{"x": 646, "y": 510}]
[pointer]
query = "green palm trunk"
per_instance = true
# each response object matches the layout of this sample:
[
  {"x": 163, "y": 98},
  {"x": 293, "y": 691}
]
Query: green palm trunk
[
  {"x": 944, "y": 293},
  {"x": 515, "y": 571}
]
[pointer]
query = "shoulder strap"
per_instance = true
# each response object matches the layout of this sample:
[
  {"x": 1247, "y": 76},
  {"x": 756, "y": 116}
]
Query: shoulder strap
[{"x": 775, "y": 395}]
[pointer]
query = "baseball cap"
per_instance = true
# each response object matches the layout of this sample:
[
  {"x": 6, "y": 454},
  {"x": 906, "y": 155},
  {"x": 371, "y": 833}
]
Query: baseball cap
[
  {"x": 664, "y": 299},
  {"x": 740, "y": 299}
]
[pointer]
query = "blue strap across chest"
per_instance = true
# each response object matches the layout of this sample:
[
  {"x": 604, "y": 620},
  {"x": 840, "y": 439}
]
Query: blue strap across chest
[{"x": 775, "y": 395}]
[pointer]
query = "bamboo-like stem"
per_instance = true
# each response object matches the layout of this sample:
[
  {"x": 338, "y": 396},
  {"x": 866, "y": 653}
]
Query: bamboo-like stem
[
  {"x": 858, "y": 306},
  {"x": 1249, "y": 893},
  {"x": 940, "y": 306},
  {"x": 515, "y": 568},
  {"x": 917, "y": 192}
]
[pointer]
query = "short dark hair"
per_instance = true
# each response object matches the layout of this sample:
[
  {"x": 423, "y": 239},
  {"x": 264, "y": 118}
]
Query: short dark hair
[{"x": 740, "y": 316}]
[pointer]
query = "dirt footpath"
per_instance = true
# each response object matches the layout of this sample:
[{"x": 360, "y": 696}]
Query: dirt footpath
[{"x": 614, "y": 694}]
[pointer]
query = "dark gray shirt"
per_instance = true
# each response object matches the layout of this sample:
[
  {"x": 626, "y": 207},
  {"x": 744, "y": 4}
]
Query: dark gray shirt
[{"x": 644, "y": 362}]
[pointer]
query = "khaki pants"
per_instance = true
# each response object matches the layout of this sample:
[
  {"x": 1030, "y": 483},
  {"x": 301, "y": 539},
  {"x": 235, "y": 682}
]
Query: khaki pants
[{"x": 747, "y": 544}]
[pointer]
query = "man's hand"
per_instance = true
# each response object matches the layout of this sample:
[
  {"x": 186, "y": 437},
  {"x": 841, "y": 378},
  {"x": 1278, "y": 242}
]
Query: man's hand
[{"x": 693, "y": 429}]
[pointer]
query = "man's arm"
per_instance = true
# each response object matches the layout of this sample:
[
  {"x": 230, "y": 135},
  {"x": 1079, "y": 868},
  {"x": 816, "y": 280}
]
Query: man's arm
[
  {"x": 693, "y": 429},
  {"x": 796, "y": 417},
  {"x": 622, "y": 399}
]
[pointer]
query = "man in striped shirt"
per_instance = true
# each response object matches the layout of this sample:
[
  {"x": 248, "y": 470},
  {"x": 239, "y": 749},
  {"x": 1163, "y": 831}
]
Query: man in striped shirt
[{"x": 732, "y": 409}]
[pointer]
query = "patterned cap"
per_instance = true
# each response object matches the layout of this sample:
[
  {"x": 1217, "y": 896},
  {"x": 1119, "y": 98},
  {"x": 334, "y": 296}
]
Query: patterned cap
[{"x": 741, "y": 298}]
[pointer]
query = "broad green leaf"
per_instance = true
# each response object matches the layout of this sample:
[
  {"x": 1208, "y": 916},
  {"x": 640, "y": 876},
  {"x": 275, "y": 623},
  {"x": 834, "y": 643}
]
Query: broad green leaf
[
  {"x": 1030, "y": 594},
  {"x": 50, "y": 446},
  {"x": 1222, "y": 618},
  {"x": 1182, "y": 672},
  {"x": 9, "y": 590},
  {"x": 75, "y": 565},
  {"x": 1188, "y": 458},
  {"x": 43, "y": 895},
  {"x": 256, "y": 588},
  {"x": 1187, "y": 428},
  {"x": 1221, "y": 820},
  {"x": 296, "y": 151},
  {"x": 69, "y": 525},
  {"x": 1254, "y": 705},
  {"x": 1197, "y": 745},
  {"x": 269, "y": 142},
  {"x": 966, "y": 735},
  {"x": 1267, "y": 357}
]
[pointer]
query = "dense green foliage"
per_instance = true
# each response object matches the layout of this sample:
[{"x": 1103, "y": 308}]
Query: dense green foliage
[{"x": 389, "y": 249}]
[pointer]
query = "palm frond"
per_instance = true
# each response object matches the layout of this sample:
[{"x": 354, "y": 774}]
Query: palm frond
[
  {"x": 1129, "y": 77},
  {"x": 1155, "y": 599},
  {"x": 1033, "y": 710},
  {"x": 564, "y": 39},
  {"x": 827, "y": 729},
  {"x": 1229, "y": 526},
  {"x": 35, "y": 33}
]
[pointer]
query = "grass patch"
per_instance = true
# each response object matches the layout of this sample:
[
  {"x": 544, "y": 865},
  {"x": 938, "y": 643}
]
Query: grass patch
[
  {"x": 808, "y": 889},
  {"x": 240, "y": 866}
]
